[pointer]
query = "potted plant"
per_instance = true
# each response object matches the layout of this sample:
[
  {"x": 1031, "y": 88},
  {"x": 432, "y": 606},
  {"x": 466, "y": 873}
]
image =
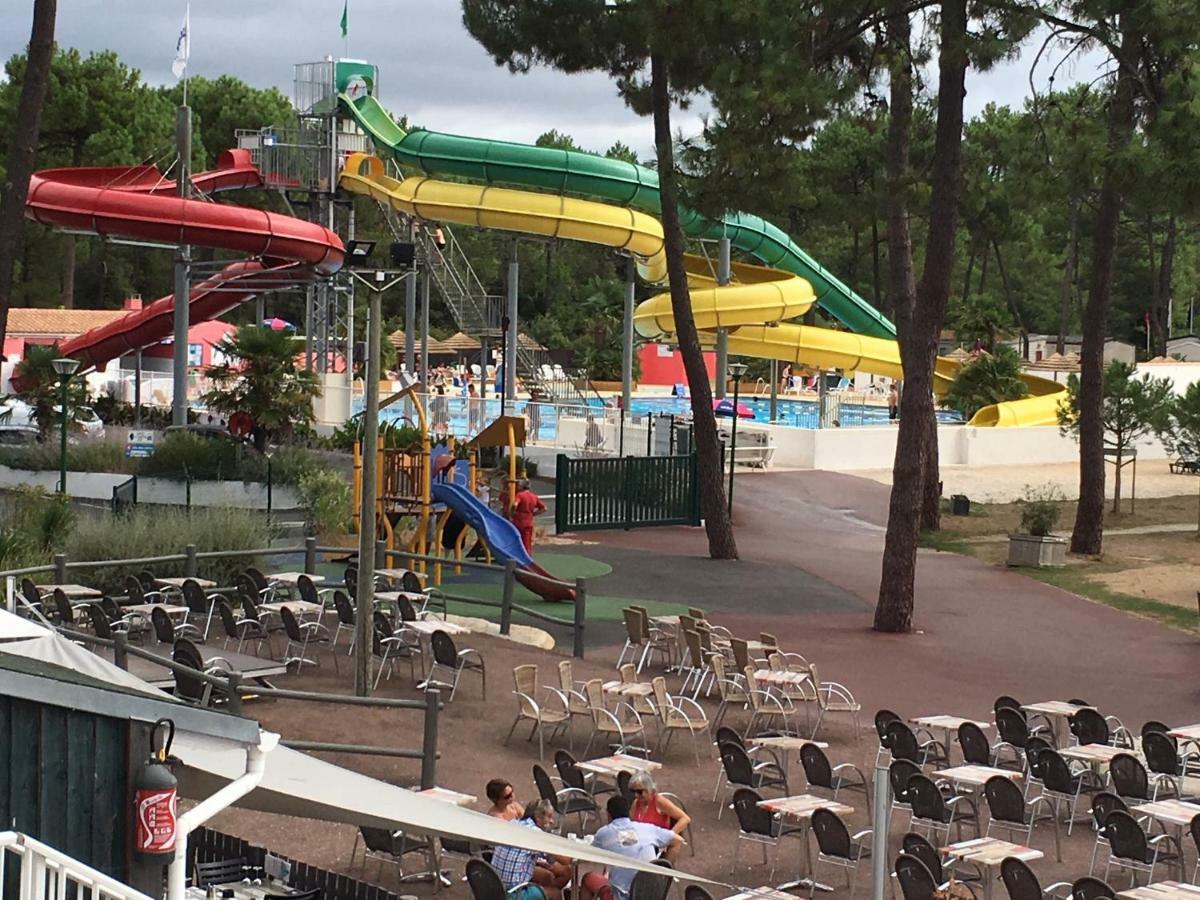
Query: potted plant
[{"x": 1034, "y": 545}]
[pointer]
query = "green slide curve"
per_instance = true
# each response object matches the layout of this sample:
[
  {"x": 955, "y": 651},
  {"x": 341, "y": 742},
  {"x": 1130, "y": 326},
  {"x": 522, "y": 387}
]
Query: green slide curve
[{"x": 610, "y": 180}]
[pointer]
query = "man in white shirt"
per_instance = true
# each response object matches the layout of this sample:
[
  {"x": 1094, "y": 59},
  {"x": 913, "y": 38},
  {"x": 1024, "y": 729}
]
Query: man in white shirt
[{"x": 637, "y": 840}]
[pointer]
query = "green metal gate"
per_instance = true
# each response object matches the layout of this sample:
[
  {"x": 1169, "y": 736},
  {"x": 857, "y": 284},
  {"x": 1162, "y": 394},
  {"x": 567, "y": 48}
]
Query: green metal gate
[{"x": 625, "y": 492}]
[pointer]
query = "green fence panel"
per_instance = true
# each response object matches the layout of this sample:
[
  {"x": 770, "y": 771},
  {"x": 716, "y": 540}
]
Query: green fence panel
[{"x": 625, "y": 492}]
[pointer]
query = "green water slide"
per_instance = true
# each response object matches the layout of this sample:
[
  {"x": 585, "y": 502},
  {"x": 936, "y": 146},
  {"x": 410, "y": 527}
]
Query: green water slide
[{"x": 612, "y": 181}]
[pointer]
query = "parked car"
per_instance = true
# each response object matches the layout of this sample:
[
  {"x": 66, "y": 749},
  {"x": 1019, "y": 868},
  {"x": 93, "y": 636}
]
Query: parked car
[{"x": 19, "y": 415}]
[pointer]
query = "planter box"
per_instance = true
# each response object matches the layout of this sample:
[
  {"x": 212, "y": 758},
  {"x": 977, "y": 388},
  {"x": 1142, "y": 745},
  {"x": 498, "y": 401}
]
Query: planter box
[{"x": 1035, "y": 552}]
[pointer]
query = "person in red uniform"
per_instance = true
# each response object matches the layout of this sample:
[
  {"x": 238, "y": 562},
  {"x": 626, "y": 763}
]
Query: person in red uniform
[{"x": 525, "y": 506}]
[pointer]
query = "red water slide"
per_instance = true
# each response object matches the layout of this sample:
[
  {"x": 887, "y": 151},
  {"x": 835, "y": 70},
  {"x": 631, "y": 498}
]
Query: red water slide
[{"x": 137, "y": 202}]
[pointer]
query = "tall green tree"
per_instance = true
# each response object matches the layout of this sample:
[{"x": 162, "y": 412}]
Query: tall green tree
[
  {"x": 223, "y": 105},
  {"x": 989, "y": 378},
  {"x": 22, "y": 150},
  {"x": 41, "y": 389}
]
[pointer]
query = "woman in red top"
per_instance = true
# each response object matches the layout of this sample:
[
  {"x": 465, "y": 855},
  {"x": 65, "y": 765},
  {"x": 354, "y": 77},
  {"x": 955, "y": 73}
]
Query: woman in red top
[
  {"x": 653, "y": 808},
  {"x": 526, "y": 505}
]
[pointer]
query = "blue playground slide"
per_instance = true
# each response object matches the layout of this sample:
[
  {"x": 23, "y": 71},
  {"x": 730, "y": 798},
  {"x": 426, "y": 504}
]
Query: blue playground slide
[{"x": 502, "y": 538}]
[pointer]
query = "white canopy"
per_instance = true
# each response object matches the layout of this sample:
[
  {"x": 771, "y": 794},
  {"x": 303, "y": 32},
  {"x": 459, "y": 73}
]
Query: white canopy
[
  {"x": 15, "y": 628},
  {"x": 50, "y": 647},
  {"x": 296, "y": 784}
]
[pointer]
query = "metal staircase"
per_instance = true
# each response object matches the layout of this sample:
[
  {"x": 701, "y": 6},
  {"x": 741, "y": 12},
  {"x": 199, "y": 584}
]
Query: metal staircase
[{"x": 480, "y": 314}]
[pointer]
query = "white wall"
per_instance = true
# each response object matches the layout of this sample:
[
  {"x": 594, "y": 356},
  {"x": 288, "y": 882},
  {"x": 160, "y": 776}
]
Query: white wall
[{"x": 1181, "y": 374}]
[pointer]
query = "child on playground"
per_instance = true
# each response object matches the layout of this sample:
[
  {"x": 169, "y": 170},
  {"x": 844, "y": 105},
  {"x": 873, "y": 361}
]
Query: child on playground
[{"x": 525, "y": 506}]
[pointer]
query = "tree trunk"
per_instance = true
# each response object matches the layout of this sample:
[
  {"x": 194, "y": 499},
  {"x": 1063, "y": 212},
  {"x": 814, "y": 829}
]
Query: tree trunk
[
  {"x": 876, "y": 264},
  {"x": 717, "y": 523},
  {"x": 1009, "y": 296},
  {"x": 966, "y": 291},
  {"x": 1117, "y": 481},
  {"x": 931, "y": 494},
  {"x": 22, "y": 152},
  {"x": 918, "y": 342},
  {"x": 1163, "y": 294},
  {"x": 1087, "y": 537},
  {"x": 1068, "y": 282}
]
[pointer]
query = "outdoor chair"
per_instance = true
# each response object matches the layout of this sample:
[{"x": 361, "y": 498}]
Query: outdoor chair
[
  {"x": 1130, "y": 848},
  {"x": 832, "y": 697},
  {"x": 200, "y": 606},
  {"x": 742, "y": 772},
  {"x": 838, "y": 847},
  {"x": 240, "y": 630},
  {"x": 261, "y": 585},
  {"x": 740, "y": 650},
  {"x": 820, "y": 773},
  {"x": 64, "y": 612},
  {"x": 167, "y": 631},
  {"x": 731, "y": 690},
  {"x": 250, "y": 588},
  {"x": 936, "y": 812},
  {"x": 634, "y": 641},
  {"x": 696, "y": 613},
  {"x": 387, "y": 648},
  {"x": 133, "y": 623},
  {"x": 569, "y": 688},
  {"x": 1166, "y": 768},
  {"x": 678, "y": 714},
  {"x": 1103, "y": 803},
  {"x": 220, "y": 871},
  {"x": 529, "y": 710},
  {"x": 1155, "y": 725},
  {"x": 642, "y": 702},
  {"x": 451, "y": 663},
  {"x": 1060, "y": 784},
  {"x": 687, "y": 832},
  {"x": 695, "y": 892},
  {"x": 1034, "y": 748},
  {"x": 624, "y": 790},
  {"x": 768, "y": 641},
  {"x": 903, "y": 743},
  {"x": 1012, "y": 731},
  {"x": 918, "y": 847},
  {"x": 916, "y": 881},
  {"x": 190, "y": 688},
  {"x": 1012, "y": 813},
  {"x": 1089, "y": 888},
  {"x": 1194, "y": 830},
  {"x": 350, "y": 580},
  {"x": 392, "y": 846},
  {"x": 1129, "y": 777},
  {"x": 976, "y": 749},
  {"x": 101, "y": 627},
  {"x": 799, "y": 691},
  {"x": 30, "y": 594},
  {"x": 138, "y": 594},
  {"x": 572, "y": 776},
  {"x": 618, "y": 727},
  {"x": 406, "y": 610},
  {"x": 766, "y": 707},
  {"x": 250, "y": 612},
  {"x": 725, "y": 734},
  {"x": 307, "y": 589},
  {"x": 567, "y": 801},
  {"x": 148, "y": 579},
  {"x": 1022, "y": 884},
  {"x": 410, "y": 582},
  {"x": 1089, "y": 727},
  {"x": 884, "y": 718},
  {"x": 648, "y": 886},
  {"x": 345, "y": 619},
  {"x": 698, "y": 669},
  {"x": 301, "y": 636},
  {"x": 899, "y": 772},
  {"x": 758, "y": 826}
]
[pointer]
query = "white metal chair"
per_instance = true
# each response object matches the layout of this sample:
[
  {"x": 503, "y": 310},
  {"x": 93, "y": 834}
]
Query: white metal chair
[
  {"x": 678, "y": 714},
  {"x": 529, "y": 710}
]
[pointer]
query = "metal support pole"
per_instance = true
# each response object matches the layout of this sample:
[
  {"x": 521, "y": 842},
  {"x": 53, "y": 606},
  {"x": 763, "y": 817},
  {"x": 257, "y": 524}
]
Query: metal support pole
[
  {"x": 429, "y": 743},
  {"x": 190, "y": 563},
  {"x": 260, "y": 309},
  {"x": 60, "y": 568},
  {"x": 308, "y": 323},
  {"x": 774, "y": 389},
  {"x": 310, "y": 556},
  {"x": 881, "y": 814},
  {"x": 63, "y": 381},
  {"x": 381, "y": 554},
  {"x": 506, "y": 600},
  {"x": 350, "y": 317},
  {"x": 410, "y": 324},
  {"x": 723, "y": 276},
  {"x": 179, "y": 400},
  {"x": 733, "y": 443},
  {"x": 363, "y": 622},
  {"x": 137, "y": 389},
  {"x": 270, "y": 489},
  {"x": 425, "y": 280},
  {"x": 120, "y": 655},
  {"x": 627, "y": 346},
  {"x": 510, "y": 343},
  {"x": 580, "y": 617}
]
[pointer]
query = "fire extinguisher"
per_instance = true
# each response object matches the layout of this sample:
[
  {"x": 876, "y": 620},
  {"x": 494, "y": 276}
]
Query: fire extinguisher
[{"x": 155, "y": 798}]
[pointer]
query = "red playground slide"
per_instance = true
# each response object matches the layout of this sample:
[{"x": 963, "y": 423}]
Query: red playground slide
[{"x": 138, "y": 202}]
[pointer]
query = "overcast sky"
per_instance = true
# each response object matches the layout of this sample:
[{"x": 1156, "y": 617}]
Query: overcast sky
[{"x": 430, "y": 68}]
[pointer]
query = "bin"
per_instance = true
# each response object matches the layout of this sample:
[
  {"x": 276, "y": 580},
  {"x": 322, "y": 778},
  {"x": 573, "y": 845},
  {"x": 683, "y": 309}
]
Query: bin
[{"x": 960, "y": 505}]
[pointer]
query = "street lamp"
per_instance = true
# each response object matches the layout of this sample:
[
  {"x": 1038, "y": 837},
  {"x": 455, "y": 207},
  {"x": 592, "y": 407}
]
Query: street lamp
[
  {"x": 65, "y": 369},
  {"x": 268, "y": 453},
  {"x": 737, "y": 370}
]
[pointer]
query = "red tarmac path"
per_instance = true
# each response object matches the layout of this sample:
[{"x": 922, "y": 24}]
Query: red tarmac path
[{"x": 982, "y": 630}]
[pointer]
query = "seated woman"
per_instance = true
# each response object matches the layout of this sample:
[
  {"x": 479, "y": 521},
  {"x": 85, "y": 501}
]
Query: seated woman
[
  {"x": 504, "y": 804},
  {"x": 653, "y": 808}
]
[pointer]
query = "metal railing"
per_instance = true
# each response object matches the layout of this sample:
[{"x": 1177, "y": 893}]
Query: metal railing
[
  {"x": 48, "y": 874},
  {"x": 625, "y": 492}
]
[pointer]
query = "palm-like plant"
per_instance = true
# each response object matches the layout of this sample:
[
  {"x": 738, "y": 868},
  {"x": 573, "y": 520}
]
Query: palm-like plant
[
  {"x": 41, "y": 390},
  {"x": 987, "y": 379},
  {"x": 259, "y": 377}
]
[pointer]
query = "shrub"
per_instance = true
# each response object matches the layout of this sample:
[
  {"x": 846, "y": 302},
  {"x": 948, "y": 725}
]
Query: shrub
[
  {"x": 329, "y": 499},
  {"x": 93, "y": 456},
  {"x": 151, "y": 531},
  {"x": 528, "y": 466},
  {"x": 183, "y": 454},
  {"x": 1040, "y": 510}
]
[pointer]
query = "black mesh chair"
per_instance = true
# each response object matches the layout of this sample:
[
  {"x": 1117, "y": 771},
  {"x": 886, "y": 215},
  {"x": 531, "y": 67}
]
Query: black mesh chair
[
  {"x": 485, "y": 882},
  {"x": 976, "y": 749},
  {"x": 916, "y": 881},
  {"x": 820, "y": 773},
  {"x": 31, "y": 595},
  {"x": 261, "y": 586},
  {"x": 220, "y": 871},
  {"x": 1013, "y": 734},
  {"x": 1194, "y": 831},
  {"x": 933, "y": 810},
  {"x": 132, "y": 623},
  {"x": 1010, "y": 811},
  {"x": 837, "y": 847},
  {"x": 903, "y": 743},
  {"x": 1033, "y": 766},
  {"x": 695, "y": 892},
  {"x": 1130, "y": 848},
  {"x": 450, "y": 663},
  {"x": 344, "y": 608},
  {"x": 246, "y": 585},
  {"x": 899, "y": 772},
  {"x": 1022, "y": 884},
  {"x": 741, "y": 772},
  {"x": 99, "y": 621},
  {"x": 190, "y": 688},
  {"x": 148, "y": 579},
  {"x": 757, "y": 826},
  {"x": 350, "y": 578},
  {"x": 199, "y": 604},
  {"x": 392, "y": 846},
  {"x": 626, "y": 792},
  {"x": 1129, "y": 777},
  {"x": 300, "y": 637},
  {"x": 1089, "y": 888},
  {"x": 139, "y": 594},
  {"x": 411, "y": 582},
  {"x": 883, "y": 718},
  {"x": 1089, "y": 727},
  {"x": 918, "y": 846},
  {"x": 1102, "y": 804},
  {"x": 240, "y": 630},
  {"x": 725, "y": 734},
  {"x": 567, "y": 801},
  {"x": 648, "y": 886},
  {"x": 569, "y": 772},
  {"x": 1155, "y": 725},
  {"x": 65, "y": 613},
  {"x": 1061, "y": 785},
  {"x": 1162, "y": 759},
  {"x": 167, "y": 631},
  {"x": 307, "y": 589}
]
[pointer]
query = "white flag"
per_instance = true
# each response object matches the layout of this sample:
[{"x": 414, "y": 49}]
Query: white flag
[{"x": 183, "y": 46}]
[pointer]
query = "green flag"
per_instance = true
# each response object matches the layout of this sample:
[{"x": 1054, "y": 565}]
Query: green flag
[{"x": 345, "y": 21}]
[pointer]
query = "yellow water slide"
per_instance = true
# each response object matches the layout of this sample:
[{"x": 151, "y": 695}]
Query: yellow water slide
[{"x": 754, "y": 307}]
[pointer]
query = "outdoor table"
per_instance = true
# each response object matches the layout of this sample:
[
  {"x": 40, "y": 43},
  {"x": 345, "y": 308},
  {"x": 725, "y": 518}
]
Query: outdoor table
[
  {"x": 1097, "y": 756},
  {"x": 781, "y": 677},
  {"x": 144, "y": 610},
  {"x": 424, "y": 629},
  {"x": 611, "y": 766},
  {"x": 244, "y": 890},
  {"x": 178, "y": 582},
  {"x": 669, "y": 621},
  {"x": 292, "y": 578},
  {"x": 397, "y": 574},
  {"x": 1163, "y": 890},
  {"x": 392, "y": 598},
  {"x": 1058, "y": 712},
  {"x": 252, "y": 668},
  {"x": 975, "y": 777},
  {"x": 1190, "y": 733},
  {"x": 989, "y": 853},
  {"x": 628, "y": 688},
  {"x": 301, "y": 608},
  {"x": 800, "y": 809},
  {"x": 448, "y": 796},
  {"x": 1178, "y": 813},
  {"x": 946, "y": 725},
  {"x": 73, "y": 592},
  {"x": 785, "y": 743}
]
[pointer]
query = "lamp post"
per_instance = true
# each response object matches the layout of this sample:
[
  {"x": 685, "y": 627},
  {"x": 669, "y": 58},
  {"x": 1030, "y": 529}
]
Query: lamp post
[
  {"x": 65, "y": 369},
  {"x": 737, "y": 370},
  {"x": 268, "y": 454}
]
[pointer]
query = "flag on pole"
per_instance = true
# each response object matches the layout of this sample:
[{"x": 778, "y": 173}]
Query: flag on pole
[
  {"x": 183, "y": 45},
  {"x": 345, "y": 17}
]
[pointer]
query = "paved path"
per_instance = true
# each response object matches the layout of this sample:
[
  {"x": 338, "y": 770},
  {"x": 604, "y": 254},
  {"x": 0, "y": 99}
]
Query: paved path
[
  {"x": 982, "y": 630},
  {"x": 1170, "y": 528}
]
